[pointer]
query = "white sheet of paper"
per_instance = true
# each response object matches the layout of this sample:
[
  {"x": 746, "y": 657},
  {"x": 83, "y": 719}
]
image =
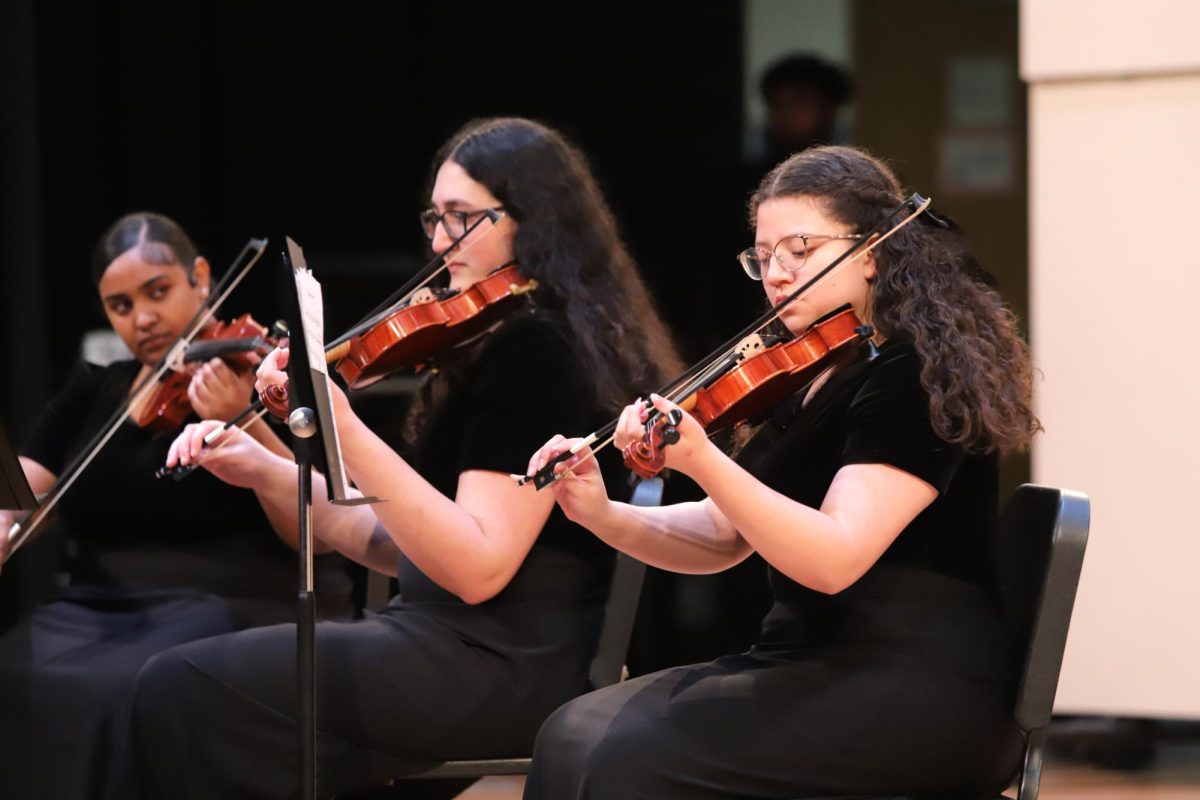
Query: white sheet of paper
[{"x": 312, "y": 308}]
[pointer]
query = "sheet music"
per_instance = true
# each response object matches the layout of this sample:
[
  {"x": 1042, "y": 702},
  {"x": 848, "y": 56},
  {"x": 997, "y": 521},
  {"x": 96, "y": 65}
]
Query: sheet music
[
  {"x": 312, "y": 314},
  {"x": 312, "y": 309}
]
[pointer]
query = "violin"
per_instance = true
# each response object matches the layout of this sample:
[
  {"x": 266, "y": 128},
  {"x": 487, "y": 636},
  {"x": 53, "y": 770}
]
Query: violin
[
  {"x": 757, "y": 384},
  {"x": 760, "y": 382},
  {"x": 427, "y": 325},
  {"x": 236, "y": 343},
  {"x": 431, "y": 323},
  {"x": 744, "y": 377}
]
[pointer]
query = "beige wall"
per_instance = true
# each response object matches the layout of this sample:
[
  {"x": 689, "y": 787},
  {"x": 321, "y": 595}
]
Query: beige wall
[
  {"x": 1114, "y": 176},
  {"x": 905, "y": 113}
]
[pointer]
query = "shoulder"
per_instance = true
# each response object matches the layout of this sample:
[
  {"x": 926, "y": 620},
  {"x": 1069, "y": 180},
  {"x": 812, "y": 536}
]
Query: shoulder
[
  {"x": 889, "y": 420},
  {"x": 540, "y": 328},
  {"x": 530, "y": 341},
  {"x": 892, "y": 378},
  {"x": 88, "y": 380}
]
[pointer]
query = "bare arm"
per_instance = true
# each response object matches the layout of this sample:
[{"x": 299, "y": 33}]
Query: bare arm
[
  {"x": 684, "y": 537},
  {"x": 240, "y": 460},
  {"x": 471, "y": 545},
  {"x": 826, "y": 549}
]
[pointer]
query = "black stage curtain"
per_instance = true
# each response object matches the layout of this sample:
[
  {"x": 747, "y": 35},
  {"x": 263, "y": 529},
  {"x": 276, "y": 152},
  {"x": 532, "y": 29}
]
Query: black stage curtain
[{"x": 243, "y": 119}]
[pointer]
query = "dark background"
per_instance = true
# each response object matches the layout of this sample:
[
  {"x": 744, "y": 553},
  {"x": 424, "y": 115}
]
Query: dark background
[{"x": 255, "y": 119}]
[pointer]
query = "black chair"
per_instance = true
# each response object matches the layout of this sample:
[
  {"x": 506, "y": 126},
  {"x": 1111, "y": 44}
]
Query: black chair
[
  {"x": 1043, "y": 534},
  {"x": 607, "y": 666}
]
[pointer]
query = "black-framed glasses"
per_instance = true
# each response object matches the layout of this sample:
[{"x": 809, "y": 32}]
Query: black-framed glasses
[
  {"x": 454, "y": 222},
  {"x": 790, "y": 253}
]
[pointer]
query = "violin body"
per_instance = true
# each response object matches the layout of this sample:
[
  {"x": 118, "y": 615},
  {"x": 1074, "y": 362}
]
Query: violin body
[
  {"x": 411, "y": 336},
  {"x": 235, "y": 342},
  {"x": 752, "y": 387},
  {"x": 761, "y": 382}
]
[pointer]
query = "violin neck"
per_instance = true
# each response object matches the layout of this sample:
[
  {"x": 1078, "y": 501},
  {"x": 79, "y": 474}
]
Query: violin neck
[{"x": 203, "y": 351}]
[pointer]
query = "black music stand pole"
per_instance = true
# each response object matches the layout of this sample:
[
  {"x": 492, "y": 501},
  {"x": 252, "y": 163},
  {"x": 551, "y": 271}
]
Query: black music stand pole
[
  {"x": 314, "y": 444},
  {"x": 303, "y": 425}
]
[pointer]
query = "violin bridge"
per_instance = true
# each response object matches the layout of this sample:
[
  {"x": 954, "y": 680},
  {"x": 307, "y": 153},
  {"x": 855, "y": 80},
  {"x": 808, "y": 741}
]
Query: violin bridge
[
  {"x": 421, "y": 296},
  {"x": 751, "y": 345}
]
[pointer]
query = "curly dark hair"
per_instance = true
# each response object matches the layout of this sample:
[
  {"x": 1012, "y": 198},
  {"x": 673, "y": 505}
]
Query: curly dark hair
[
  {"x": 567, "y": 239},
  {"x": 975, "y": 366}
]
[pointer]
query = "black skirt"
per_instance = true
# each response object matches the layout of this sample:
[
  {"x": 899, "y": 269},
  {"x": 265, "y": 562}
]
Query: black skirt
[{"x": 919, "y": 701}]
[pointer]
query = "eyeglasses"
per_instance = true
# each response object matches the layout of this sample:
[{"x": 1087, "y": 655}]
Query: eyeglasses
[
  {"x": 790, "y": 253},
  {"x": 455, "y": 223}
]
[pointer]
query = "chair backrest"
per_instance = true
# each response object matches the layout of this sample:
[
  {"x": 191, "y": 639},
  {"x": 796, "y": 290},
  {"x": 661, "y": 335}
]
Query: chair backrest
[
  {"x": 1043, "y": 535},
  {"x": 621, "y": 608}
]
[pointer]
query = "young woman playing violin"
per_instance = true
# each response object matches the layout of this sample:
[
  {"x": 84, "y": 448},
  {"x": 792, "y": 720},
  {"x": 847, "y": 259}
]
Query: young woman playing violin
[
  {"x": 500, "y": 596},
  {"x": 159, "y": 563},
  {"x": 884, "y": 666}
]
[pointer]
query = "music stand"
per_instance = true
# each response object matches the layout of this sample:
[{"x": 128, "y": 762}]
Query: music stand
[
  {"x": 314, "y": 444},
  {"x": 15, "y": 491}
]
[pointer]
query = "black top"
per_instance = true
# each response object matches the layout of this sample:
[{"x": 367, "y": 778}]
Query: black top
[
  {"x": 492, "y": 411},
  {"x": 140, "y": 533},
  {"x": 932, "y": 591}
]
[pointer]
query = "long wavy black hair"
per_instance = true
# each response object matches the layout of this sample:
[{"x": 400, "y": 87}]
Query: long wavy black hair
[
  {"x": 929, "y": 290},
  {"x": 567, "y": 239}
]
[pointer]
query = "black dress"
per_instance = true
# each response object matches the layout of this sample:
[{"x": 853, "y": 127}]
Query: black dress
[
  {"x": 159, "y": 563},
  {"x": 429, "y": 677},
  {"x": 900, "y": 684}
]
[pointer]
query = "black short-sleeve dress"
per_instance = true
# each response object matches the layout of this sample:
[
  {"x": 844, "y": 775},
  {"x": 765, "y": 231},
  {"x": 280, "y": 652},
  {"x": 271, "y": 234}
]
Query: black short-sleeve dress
[
  {"x": 429, "y": 677},
  {"x": 900, "y": 684},
  {"x": 158, "y": 563}
]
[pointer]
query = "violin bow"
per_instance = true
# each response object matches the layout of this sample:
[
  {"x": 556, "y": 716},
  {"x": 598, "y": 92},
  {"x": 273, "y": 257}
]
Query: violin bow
[
  {"x": 252, "y": 414},
  {"x": 726, "y": 356}
]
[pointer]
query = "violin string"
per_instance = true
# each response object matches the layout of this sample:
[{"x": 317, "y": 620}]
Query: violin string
[
  {"x": 825, "y": 274},
  {"x": 19, "y": 533},
  {"x": 728, "y": 349},
  {"x": 405, "y": 292},
  {"x": 719, "y": 357},
  {"x": 412, "y": 286}
]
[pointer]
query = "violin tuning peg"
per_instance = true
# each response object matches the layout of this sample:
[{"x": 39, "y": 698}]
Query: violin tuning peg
[
  {"x": 670, "y": 435},
  {"x": 675, "y": 416}
]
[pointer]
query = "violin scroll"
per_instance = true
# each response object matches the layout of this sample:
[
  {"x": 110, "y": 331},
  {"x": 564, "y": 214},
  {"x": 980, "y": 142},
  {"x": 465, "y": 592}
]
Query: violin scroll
[
  {"x": 275, "y": 399},
  {"x": 647, "y": 456}
]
